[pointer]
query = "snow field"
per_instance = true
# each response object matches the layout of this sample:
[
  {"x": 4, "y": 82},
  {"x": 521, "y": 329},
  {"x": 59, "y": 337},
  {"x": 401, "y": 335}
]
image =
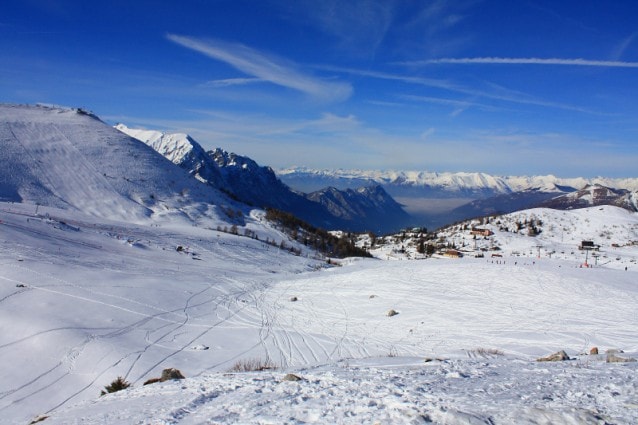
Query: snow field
[
  {"x": 394, "y": 390},
  {"x": 446, "y": 307},
  {"x": 84, "y": 300}
]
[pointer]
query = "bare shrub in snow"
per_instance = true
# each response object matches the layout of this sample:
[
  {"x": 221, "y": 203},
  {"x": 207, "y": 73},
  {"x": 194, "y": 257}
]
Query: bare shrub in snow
[
  {"x": 252, "y": 365},
  {"x": 485, "y": 352}
]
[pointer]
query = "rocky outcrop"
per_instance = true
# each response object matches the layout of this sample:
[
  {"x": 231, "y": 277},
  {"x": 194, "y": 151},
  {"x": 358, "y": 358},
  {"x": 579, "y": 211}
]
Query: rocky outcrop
[
  {"x": 167, "y": 375},
  {"x": 556, "y": 357}
]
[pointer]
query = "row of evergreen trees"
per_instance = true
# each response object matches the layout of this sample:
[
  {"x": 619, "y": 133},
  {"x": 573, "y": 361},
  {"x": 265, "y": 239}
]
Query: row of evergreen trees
[{"x": 315, "y": 237}]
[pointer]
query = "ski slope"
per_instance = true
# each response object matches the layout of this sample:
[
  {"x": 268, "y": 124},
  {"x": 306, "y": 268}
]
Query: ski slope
[{"x": 85, "y": 300}]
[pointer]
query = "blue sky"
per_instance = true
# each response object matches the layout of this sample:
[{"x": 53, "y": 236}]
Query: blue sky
[{"x": 504, "y": 87}]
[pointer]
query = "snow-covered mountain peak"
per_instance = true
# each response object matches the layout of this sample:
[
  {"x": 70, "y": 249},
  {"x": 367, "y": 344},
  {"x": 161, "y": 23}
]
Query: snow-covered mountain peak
[
  {"x": 68, "y": 158},
  {"x": 174, "y": 146},
  {"x": 592, "y": 195}
]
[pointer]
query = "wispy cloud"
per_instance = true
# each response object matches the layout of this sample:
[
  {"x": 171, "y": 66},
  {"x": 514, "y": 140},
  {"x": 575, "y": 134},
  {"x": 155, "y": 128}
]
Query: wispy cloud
[
  {"x": 431, "y": 82},
  {"x": 443, "y": 101},
  {"x": 525, "y": 61},
  {"x": 261, "y": 66},
  {"x": 233, "y": 82},
  {"x": 499, "y": 94},
  {"x": 458, "y": 105},
  {"x": 619, "y": 50},
  {"x": 359, "y": 26}
]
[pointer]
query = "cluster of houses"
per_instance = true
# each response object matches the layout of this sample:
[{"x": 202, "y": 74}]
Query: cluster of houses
[
  {"x": 475, "y": 231},
  {"x": 455, "y": 253}
]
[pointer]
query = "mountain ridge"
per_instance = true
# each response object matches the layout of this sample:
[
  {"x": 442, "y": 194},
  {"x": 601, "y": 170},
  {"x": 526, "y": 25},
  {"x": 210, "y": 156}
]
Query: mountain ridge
[
  {"x": 451, "y": 182},
  {"x": 355, "y": 210}
]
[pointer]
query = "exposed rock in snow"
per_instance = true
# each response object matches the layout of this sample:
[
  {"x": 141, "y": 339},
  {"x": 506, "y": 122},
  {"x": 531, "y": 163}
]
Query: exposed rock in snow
[{"x": 558, "y": 356}]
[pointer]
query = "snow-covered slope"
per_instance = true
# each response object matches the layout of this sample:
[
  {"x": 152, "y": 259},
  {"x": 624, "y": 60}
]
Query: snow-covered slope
[
  {"x": 482, "y": 391},
  {"x": 530, "y": 233},
  {"x": 70, "y": 159},
  {"x": 180, "y": 149},
  {"x": 85, "y": 300}
]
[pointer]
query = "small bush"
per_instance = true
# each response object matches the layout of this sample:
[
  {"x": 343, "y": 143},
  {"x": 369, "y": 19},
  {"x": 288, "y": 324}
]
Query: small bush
[
  {"x": 488, "y": 352},
  {"x": 252, "y": 365},
  {"x": 118, "y": 385}
]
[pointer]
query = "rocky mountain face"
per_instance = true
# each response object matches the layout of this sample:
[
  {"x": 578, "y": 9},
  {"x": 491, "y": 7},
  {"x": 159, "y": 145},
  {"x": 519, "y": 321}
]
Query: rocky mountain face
[
  {"x": 371, "y": 203},
  {"x": 363, "y": 209}
]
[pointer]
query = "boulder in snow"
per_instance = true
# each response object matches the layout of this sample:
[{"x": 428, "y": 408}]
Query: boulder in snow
[
  {"x": 556, "y": 357},
  {"x": 292, "y": 377},
  {"x": 613, "y": 358},
  {"x": 167, "y": 375}
]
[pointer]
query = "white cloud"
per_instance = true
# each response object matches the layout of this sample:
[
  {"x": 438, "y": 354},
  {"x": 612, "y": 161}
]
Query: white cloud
[
  {"x": 526, "y": 61},
  {"x": 233, "y": 82},
  {"x": 266, "y": 68},
  {"x": 427, "y": 133},
  {"x": 618, "y": 52},
  {"x": 499, "y": 93}
]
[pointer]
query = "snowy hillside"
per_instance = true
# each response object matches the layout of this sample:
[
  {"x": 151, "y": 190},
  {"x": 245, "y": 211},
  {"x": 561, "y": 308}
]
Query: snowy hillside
[
  {"x": 85, "y": 300},
  {"x": 593, "y": 195},
  {"x": 69, "y": 159},
  {"x": 535, "y": 233}
]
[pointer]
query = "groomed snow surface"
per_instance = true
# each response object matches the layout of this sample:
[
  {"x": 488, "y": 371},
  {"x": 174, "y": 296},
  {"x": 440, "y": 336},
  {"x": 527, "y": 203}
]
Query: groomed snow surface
[{"x": 84, "y": 300}]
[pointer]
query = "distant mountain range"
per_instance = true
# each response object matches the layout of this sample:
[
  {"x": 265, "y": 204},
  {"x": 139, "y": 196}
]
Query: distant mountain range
[
  {"x": 68, "y": 158},
  {"x": 442, "y": 185},
  {"x": 478, "y": 194},
  {"x": 367, "y": 208},
  {"x": 358, "y": 200}
]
